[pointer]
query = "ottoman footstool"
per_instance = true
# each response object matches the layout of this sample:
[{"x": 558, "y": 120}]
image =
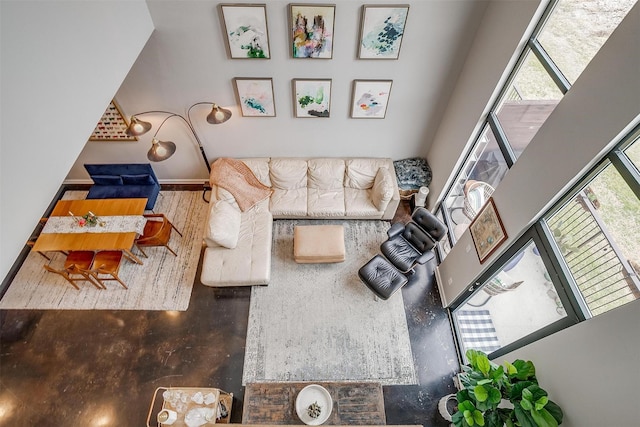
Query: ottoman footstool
[
  {"x": 313, "y": 244},
  {"x": 382, "y": 277}
]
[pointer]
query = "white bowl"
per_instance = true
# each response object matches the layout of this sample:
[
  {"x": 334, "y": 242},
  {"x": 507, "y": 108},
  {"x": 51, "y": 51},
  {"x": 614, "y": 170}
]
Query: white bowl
[{"x": 308, "y": 395}]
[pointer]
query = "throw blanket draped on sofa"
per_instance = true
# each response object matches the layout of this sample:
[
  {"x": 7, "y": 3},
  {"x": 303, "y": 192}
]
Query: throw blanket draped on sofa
[{"x": 236, "y": 177}]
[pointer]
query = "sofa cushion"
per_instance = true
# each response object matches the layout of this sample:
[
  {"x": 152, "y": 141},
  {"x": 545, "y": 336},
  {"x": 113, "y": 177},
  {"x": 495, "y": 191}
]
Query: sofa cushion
[
  {"x": 260, "y": 168},
  {"x": 325, "y": 203},
  {"x": 107, "y": 179},
  {"x": 382, "y": 190},
  {"x": 223, "y": 227},
  {"x": 326, "y": 174},
  {"x": 288, "y": 174},
  {"x": 289, "y": 203},
  {"x": 141, "y": 179},
  {"x": 250, "y": 262},
  {"x": 358, "y": 204},
  {"x": 361, "y": 173}
]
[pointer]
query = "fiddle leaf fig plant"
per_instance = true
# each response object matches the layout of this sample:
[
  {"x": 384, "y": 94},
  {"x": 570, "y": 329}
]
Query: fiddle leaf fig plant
[{"x": 496, "y": 395}]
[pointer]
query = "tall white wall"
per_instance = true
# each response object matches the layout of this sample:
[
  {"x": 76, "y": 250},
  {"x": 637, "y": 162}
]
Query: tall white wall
[
  {"x": 185, "y": 62},
  {"x": 601, "y": 104},
  {"x": 62, "y": 62},
  {"x": 591, "y": 369}
]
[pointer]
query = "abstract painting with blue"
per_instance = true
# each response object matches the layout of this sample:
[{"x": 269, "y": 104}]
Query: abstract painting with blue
[{"x": 382, "y": 31}]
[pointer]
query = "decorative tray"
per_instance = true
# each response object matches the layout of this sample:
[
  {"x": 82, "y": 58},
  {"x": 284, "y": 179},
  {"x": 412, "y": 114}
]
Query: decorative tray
[{"x": 189, "y": 406}]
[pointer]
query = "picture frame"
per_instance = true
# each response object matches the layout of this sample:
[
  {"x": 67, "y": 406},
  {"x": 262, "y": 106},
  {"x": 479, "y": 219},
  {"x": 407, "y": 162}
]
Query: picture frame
[
  {"x": 311, "y": 28},
  {"x": 487, "y": 230},
  {"x": 370, "y": 98},
  {"x": 246, "y": 30},
  {"x": 255, "y": 96},
  {"x": 112, "y": 126},
  {"x": 311, "y": 98},
  {"x": 382, "y": 28}
]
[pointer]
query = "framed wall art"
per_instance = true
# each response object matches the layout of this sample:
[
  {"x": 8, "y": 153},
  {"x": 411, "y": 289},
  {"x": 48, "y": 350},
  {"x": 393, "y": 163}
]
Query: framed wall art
[
  {"x": 370, "y": 98},
  {"x": 245, "y": 28},
  {"x": 255, "y": 96},
  {"x": 311, "y": 29},
  {"x": 381, "y": 31},
  {"x": 487, "y": 230},
  {"x": 112, "y": 126},
  {"x": 311, "y": 97}
]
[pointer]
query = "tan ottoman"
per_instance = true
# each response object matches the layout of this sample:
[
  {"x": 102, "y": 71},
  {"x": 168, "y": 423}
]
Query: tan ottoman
[{"x": 313, "y": 244}]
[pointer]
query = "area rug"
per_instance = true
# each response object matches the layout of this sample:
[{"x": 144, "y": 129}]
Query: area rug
[
  {"x": 477, "y": 330},
  {"x": 163, "y": 282},
  {"x": 319, "y": 322}
]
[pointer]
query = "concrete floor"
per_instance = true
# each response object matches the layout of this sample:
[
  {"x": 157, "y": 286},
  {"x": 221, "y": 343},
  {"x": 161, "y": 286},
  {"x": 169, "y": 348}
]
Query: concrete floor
[{"x": 101, "y": 368}]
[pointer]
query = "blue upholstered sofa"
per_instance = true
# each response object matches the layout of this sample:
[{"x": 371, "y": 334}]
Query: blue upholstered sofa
[{"x": 124, "y": 180}]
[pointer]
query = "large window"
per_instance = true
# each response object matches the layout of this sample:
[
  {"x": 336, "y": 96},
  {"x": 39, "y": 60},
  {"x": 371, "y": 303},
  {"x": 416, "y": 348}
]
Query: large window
[
  {"x": 596, "y": 233},
  {"x": 580, "y": 260},
  {"x": 577, "y": 29},
  {"x": 565, "y": 40}
]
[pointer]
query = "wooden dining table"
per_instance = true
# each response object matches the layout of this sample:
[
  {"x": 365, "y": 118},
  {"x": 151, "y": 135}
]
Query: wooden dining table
[{"x": 114, "y": 241}]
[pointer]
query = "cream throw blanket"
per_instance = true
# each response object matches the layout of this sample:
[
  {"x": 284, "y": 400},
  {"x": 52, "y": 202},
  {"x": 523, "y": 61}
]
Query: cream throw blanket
[{"x": 236, "y": 177}]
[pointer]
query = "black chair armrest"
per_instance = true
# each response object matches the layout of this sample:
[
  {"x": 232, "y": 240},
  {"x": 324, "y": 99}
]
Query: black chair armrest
[
  {"x": 425, "y": 257},
  {"x": 396, "y": 228}
]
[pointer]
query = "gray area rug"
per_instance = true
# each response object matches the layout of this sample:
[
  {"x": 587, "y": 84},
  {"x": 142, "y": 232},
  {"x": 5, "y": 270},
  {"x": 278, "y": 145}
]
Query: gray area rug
[
  {"x": 163, "y": 282},
  {"x": 319, "y": 322}
]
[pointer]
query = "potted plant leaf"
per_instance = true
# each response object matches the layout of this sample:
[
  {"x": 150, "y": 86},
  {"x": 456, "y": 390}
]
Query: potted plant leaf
[{"x": 496, "y": 396}]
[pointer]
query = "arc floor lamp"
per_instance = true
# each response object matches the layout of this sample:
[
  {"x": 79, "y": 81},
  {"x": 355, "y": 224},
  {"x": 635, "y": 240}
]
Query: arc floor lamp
[{"x": 162, "y": 150}]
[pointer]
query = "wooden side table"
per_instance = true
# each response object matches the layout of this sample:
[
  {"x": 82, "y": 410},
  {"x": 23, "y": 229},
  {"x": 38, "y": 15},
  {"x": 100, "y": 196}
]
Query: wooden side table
[{"x": 275, "y": 403}]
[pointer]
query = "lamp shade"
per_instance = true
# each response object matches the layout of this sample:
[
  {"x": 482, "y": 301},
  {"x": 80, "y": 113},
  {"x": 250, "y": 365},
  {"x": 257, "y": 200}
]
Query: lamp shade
[
  {"x": 218, "y": 115},
  {"x": 137, "y": 127},
  {"x": 160, "y": 150}
]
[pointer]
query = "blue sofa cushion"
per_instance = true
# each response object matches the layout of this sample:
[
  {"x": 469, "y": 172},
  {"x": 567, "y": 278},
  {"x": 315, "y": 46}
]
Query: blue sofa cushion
[
  {"x": 143, "y": 179},
  {"x": 107, "y": 179},
  {"x": 141, "y": 182}
]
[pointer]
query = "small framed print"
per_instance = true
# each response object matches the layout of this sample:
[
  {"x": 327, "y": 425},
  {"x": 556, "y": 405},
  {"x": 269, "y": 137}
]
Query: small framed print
[
  {"x": 311, "y": 97},
  {"x": 255, "y": 96},
  {"x": 370, "y": 98},
  {"x": 381, "y": 31},
  {"x": 311, "y": 30},
  {"x": 112, "y": 126},
  {"x": 245, "y": 28},
  {"x": 487, "y": 230}
]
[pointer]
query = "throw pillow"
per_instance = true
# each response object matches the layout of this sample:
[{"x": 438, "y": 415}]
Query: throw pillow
[
  {"x": 143, "y": 179},
  {"x": 224, "y": 225},
  {"x": 361, "y": 173},
  {"x": 382, "y": 190},
  {"x": 107, "y": 179}
]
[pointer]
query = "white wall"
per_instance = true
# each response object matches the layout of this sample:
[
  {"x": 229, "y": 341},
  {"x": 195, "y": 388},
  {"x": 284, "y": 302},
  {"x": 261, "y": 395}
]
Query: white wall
[
  {"x": 591, "y": 369},
  {"x": 601, "y": 104},
  {"x": 185, "y": 62},
  {"x": 62, "y": 62}
]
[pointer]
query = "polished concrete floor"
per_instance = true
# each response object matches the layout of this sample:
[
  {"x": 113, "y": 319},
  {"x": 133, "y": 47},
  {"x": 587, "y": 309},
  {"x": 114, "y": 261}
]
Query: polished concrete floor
[{"x": 101, "y": 368}]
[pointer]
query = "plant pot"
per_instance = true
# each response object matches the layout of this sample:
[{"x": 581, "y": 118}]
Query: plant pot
[{"x": 447, "y": 406}]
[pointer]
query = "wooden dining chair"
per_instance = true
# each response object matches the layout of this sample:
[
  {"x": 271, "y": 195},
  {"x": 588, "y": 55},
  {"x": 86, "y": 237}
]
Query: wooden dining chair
[
  {"x": 34, "y": 237},
  {"x": 75, "y": 268},
  {"x": 106, "y": 263},
  {"x": 157, "y": 232}
]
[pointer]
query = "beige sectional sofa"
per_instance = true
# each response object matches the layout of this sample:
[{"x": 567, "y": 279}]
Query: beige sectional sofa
[{"x": 238, "y": 242}]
